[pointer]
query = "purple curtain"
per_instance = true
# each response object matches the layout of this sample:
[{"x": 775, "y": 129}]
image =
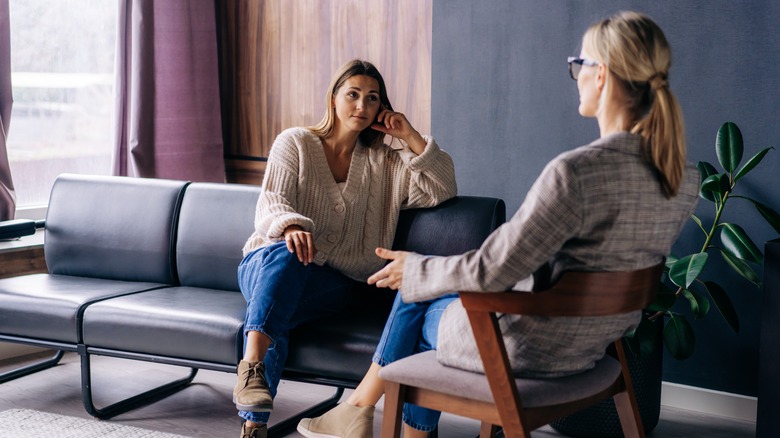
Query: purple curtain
[
  {"x": 7, "y": 192},
  {"x": 167, "y": 101}
]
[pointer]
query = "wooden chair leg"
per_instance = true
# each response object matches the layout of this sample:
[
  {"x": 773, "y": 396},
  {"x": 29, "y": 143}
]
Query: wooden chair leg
[
  {"x": 487, "y": 430},
  {"x": 628, "y": 413},
  {"x": 394, "y": 403}
]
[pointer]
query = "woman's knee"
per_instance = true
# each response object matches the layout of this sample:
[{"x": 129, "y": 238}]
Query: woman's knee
[{"x": 267, "y": 265}]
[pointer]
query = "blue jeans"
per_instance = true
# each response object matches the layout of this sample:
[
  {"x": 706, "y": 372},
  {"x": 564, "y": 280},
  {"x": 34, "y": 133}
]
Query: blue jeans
[
  {"x": 420, "y": 319},
  {"x": 282, "y": 293}
]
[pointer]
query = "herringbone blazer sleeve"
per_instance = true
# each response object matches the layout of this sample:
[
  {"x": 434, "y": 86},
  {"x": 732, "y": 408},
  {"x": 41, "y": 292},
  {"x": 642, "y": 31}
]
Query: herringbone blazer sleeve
[{"x": 551, "y": 213}]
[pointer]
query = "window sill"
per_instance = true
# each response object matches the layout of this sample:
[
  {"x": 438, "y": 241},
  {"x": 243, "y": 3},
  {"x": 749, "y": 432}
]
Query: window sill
[{"x": 34, "y": 213}]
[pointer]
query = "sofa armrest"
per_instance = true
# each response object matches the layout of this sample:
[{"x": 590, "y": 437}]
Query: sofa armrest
[
  {"x": 453, "y": 227},
  {"x": 19, "y": 227}
]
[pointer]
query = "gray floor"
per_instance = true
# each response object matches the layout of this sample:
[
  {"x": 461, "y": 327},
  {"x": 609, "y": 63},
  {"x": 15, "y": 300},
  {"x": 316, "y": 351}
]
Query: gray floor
[{"x": 205, "y": 410}]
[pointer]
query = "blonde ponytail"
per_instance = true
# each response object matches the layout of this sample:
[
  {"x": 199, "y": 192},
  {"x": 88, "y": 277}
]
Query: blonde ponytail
[{"x": 664, "y": 133}]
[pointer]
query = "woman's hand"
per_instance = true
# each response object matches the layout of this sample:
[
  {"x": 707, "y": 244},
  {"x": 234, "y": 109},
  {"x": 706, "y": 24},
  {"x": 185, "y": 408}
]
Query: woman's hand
[
  {"x": 396, "y": 125},
  {"x": 301, "y": 243},
  {"x": 392, "y": 274}
]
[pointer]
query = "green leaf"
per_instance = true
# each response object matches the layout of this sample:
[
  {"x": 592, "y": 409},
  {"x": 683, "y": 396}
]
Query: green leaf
[
  {"x": 670, "y": 260},
  {"x": 664, "y": 299},
  {"x": 705, "y": 170},
  {"x": 771, "y": 216},
  {"x": 717, "y": 184},
  {"x": 698, "y": 222},
  {"x": 728, "y": 146},
  {"x": 678, "y": 337},
  {"x": 687, "y": 269},
  {"x": 723, "y": 303},
  {"x": 699, "y": 304},
  {"x": 736, "y": 241},
  {"x": 741, "y": 267},
  {"x": 642, "y": 341},
  {"x": 753, "y": 162}
]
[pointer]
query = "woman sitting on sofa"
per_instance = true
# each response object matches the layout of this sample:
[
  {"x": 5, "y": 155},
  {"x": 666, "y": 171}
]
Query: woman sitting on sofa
[
  {"x": 616, "y": 204},
  {"x": 331, "y": 194}
]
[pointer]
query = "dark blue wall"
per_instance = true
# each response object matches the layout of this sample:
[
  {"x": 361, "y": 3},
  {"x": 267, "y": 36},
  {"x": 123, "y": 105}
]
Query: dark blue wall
[{"x": 504, "y": 105}]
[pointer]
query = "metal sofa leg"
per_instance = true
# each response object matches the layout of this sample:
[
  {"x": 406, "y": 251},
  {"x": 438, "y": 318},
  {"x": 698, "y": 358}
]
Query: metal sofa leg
[
  {"x": 32, "y": 368},
  {"x": 287, "y": 426},
  {"x": 130, "y": 403}
]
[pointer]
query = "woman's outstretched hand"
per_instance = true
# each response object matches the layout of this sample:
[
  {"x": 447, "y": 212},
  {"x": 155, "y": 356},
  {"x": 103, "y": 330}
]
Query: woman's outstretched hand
[
  {"x": 396, "y": 125},
  {"x": 392, "y": 274},
  {"x": 301, "y": 243}
]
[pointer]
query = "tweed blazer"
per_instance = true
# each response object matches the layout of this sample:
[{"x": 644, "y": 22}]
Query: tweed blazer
[{"x": 598, "y": 207}]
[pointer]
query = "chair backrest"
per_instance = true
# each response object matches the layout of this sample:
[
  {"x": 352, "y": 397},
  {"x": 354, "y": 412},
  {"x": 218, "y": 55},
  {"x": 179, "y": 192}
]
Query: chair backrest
[
  {"x": 576, "y": 293},
  {"x": 116, "y": 228},
  {"x": 214, "y": 223}
]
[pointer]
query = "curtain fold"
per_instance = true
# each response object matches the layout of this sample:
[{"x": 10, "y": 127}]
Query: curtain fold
[
  {"x": 167, "y": 114},
  {"x": 7, "y": 192}
]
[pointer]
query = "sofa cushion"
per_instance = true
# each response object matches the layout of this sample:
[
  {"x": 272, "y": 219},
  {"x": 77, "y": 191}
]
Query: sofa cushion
[
  {"x": 49, "y": 307},
  {"x": 112, "y": 227},
  {"x": 214, "y": 223},
  {"x": 178, "y": 322},
  {"x": 340, "y": 346}
]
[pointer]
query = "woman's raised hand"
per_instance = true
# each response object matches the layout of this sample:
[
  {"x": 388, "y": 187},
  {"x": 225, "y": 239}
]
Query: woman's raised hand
[
  {"x": 392, "y": 275},
  {"x": 301, "y": 243},
  {"x": 396, "y": 125}
]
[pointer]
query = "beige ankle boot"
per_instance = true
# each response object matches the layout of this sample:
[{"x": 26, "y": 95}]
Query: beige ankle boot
[
  {"x": 259, "y": 431},
  {"x": 343, "y": 421},
  {"x": 251, "y": 392}
]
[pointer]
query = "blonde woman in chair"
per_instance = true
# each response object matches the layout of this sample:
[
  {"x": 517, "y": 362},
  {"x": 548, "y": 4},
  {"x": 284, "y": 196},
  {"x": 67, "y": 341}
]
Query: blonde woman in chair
[{"x": 616, "y": 204}]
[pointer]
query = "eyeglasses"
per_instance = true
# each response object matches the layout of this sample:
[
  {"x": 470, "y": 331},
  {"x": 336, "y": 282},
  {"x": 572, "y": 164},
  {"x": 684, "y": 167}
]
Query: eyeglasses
[{"x": 575, "y": 65}]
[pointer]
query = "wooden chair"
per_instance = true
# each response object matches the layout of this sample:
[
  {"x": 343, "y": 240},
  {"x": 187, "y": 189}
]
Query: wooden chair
[{"x": 520, "y": 405}]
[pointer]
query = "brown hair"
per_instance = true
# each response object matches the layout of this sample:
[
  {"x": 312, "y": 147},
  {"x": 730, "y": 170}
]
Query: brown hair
[
  {"x": 355, "y": 67},
  {"x": 636, "y": 52}
]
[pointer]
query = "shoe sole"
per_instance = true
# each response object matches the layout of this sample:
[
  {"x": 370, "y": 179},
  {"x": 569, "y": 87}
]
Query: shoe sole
[
  {"x": 309, "y": 434},
  {"x": 253, "y": 408}
]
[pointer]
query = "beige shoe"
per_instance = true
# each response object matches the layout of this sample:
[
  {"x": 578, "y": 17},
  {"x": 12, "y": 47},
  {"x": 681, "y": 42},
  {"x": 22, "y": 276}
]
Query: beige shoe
[
  {"x": 343, "y": 421},
  {"x": 251, "y": 392},
  {"x": 260, "y": 431}
]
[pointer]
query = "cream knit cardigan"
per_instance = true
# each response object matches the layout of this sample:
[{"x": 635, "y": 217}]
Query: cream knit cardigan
[{"x": 299, "y": 189}]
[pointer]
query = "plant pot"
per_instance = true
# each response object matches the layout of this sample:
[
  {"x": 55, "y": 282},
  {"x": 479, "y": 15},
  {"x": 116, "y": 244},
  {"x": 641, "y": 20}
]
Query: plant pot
[{"x": 601, "y": 420}]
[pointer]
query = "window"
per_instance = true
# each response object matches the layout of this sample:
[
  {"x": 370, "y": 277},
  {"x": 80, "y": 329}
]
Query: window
[{"x": 62, "y": 74}]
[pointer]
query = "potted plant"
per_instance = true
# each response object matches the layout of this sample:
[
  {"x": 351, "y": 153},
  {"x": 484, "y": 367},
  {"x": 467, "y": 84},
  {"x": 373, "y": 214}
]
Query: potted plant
[
  {"x": 681, "y": 279},
  {"x": 729, "y": 240}
]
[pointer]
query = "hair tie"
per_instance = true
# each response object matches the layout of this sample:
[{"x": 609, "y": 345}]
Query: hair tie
[{"x": 657, "y": 81}]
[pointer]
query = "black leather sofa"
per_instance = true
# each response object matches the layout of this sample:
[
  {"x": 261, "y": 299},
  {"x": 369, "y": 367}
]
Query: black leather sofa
[{"x": 145, "y": 269}]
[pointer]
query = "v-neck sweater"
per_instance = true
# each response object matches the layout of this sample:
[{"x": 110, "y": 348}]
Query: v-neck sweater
[{"x": 349, "y": 224}]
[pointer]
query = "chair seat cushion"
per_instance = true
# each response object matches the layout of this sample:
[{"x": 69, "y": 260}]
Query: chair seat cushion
[
  {"x": 424, "y": 371},
  {"x": 49, "y": 307},
  {"x": 178, "y": 322}
]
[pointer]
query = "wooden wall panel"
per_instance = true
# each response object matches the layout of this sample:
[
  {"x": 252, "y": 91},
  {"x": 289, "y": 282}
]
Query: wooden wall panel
[{"x": 299, "y": 44}]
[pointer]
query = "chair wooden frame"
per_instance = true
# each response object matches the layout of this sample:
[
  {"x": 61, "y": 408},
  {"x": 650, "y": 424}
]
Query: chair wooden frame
[{"x": 575, "y": 294}]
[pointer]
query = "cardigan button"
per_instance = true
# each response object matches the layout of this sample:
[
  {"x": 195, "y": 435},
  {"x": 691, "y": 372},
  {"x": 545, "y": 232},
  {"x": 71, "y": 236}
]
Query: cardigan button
[
  {"x": 332, "y": 238},
  {"x": 339, "y": 208}
]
